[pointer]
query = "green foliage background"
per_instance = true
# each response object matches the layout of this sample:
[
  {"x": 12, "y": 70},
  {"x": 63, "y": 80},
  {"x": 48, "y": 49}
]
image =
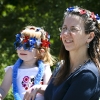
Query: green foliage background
[{"x": 16, "y": 14}]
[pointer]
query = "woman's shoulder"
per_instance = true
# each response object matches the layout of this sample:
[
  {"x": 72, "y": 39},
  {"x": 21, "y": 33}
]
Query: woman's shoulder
[
  {"x": 87, "y": 70},
  {"x": 91, "y": 72},
  {"x": 91, "y": 67}
]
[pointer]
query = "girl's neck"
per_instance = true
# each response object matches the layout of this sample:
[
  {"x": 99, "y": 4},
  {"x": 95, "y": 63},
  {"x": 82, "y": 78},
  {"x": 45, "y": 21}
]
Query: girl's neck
[{"x": 28, "y": 64}]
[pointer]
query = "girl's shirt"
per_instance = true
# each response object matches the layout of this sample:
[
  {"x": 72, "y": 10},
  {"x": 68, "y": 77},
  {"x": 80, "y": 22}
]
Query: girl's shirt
[
  {"x": 25, "y": 79},
  {"x": 83, "y": 84}
]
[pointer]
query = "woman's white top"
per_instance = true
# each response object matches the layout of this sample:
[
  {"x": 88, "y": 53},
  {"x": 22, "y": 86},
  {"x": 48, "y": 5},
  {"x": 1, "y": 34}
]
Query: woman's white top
[{"x": 25, "y": 79}]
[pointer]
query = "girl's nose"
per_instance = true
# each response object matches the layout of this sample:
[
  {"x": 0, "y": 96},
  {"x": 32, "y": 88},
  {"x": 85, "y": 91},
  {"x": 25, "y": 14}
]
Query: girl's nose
[{"x": 21, "y": 48}]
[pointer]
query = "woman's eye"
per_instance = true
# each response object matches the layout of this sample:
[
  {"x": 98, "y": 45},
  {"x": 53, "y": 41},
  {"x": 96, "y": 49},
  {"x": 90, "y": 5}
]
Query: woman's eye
[
  {"x": 64, "y": 28},
  {"x": 74, "y": 29}
]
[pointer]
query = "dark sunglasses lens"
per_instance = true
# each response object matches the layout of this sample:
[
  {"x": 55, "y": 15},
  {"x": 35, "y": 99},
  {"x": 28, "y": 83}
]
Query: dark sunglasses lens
[{"x": 17, "y": 45}]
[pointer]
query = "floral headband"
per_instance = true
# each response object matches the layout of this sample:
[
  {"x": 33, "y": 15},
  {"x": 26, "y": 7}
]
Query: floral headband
[
  {"x": 84, "y": 11},
  {"x": 28, "y": 43}
]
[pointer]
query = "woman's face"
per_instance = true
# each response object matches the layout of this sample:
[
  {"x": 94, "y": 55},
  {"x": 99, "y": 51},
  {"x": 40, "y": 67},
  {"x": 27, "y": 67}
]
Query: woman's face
[
  {"x": 27, "y": 55},
  {"x": 73, "y": 33}
]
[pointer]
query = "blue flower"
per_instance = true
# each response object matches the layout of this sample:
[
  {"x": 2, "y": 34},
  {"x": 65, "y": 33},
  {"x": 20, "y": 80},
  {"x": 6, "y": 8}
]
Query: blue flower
[
  {"x": 18, "y": 37},
  {"x": 38, "y": 29},
  {"x": 70, "y": 9},
  {"x": 97, "y": 17},
  {"x": 32, "y": 41}
]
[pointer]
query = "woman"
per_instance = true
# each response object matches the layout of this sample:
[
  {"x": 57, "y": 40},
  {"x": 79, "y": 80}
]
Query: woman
[{"x": 78, "y": 77}]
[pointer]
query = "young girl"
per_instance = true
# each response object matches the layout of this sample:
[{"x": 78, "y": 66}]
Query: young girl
[{"x": 33, "y": 65}]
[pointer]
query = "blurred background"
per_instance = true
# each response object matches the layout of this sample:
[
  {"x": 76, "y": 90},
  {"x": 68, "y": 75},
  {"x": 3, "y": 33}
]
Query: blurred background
[{"x": 16, "y": 14}]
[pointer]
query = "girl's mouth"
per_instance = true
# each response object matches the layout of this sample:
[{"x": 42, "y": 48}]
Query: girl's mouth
[{"x": 23, "y": 54}]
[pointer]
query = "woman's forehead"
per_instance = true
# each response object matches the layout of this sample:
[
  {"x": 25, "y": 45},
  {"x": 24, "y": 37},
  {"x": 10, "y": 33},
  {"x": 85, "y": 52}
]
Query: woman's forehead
[{"x": 73, "y": 20}]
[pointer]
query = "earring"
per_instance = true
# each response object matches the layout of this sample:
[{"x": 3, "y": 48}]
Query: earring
[
  {"x": 88, "y": 45},
  {"x": 60, "y": 37}
]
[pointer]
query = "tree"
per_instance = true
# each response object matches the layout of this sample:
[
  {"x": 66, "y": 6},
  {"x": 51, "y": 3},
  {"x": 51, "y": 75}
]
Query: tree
[{"x": 16, "y": 14}]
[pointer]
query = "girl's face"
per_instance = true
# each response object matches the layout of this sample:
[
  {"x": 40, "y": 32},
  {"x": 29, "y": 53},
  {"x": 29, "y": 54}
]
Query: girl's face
[
  {"x": 73, "y": 33},
  {"x": 26, "y": 55}
]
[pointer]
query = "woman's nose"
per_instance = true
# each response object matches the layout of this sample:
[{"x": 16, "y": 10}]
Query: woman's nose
[{"x": 66, "y": 32}]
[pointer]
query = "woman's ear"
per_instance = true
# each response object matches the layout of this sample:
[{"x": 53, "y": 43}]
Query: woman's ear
[{"x": 90, "y": 37}]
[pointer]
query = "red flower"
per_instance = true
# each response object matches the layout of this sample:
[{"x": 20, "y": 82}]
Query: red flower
[
  {"x": 46, "y": 35},
  {"x": 45, "y": 43},
  {"x": 41, "y": 82},
  {"x": 26, "y": 38},
  {"x": 32, "y": 28},
  {"x": 92, "y": 16},
  {"x": 26, "y": 79},
  {"x": 26, "y": 88},
  {"x": 82, "y": 11}
]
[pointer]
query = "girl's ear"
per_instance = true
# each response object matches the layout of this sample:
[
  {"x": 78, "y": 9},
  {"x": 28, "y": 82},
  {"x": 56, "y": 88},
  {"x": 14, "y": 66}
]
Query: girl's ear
[
  {"x": 41, "y": 53},
  {"x": 42, "y": 50},
  {"x": 90, "y": 37}
]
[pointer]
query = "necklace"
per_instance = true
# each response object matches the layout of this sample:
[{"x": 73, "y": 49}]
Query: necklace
[
  {"x": 14, "y": 76},
  {"x": 85, "y": 62}
]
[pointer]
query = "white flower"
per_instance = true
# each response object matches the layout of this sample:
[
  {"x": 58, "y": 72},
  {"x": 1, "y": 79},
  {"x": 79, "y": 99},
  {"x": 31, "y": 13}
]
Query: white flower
[
  {"x": 21, "y": 39},
  {"x": 98, "y": 21},
  {"x": 48, "y": 36},
  {"x": 76, "y": 10},
  {"x": 38, "y": 42}
]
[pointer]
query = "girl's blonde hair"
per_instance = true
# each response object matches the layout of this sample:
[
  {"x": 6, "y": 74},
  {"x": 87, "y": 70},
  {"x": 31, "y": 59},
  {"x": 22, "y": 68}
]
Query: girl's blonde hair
[{"x": 41, "y": 35}]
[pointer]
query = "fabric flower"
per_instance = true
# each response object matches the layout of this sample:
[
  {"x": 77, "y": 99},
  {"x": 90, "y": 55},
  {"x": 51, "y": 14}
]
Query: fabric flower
[
  {"x": 38, "y": 42},
  {"x": 26, "y": 79},
  {"x": 92, "y": 15},
  {"x": 38, "y": 29},
  {"x": 28, "y": 43},
  {"x": 32, "y": 41},
  {"x": 18, "y": 40},
  {"x": 97, "y": 17},
  {"x": 82, "y": 11},
  {"x": 26, "y": 88},
  {"x": 18, "y": 37},
  {"x": 47, "y": 36},
  {"x": 45, "y": 43},
  {"x": 32, "y": 28},
  {"x": 70, "y": 9},
  {"x": 76, "y": 9},
  {"x": 25, "y": 39},
  {"x": 24, "y": 85}
]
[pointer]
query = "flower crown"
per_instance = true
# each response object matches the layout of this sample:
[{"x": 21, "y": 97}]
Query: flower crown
[
  {"x": 28, "y": 43},
  {"x": 84, "y": 11}
]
